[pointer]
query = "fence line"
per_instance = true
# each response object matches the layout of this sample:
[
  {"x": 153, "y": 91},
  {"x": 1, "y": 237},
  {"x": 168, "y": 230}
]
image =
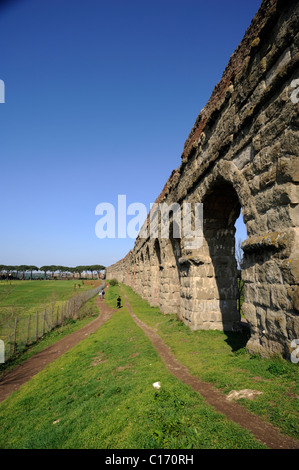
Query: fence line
[{"x": 22, "y": 332}]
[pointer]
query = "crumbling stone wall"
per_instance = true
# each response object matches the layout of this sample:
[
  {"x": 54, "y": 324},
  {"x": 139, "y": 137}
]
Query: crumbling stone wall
[{"x": 242, "y": 153}]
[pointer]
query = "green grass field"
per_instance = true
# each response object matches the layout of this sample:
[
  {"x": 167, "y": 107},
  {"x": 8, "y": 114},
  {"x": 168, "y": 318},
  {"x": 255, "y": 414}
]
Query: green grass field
[
  {"x": 86, "y": 314},
  {"x": 100, "y": 395},
  {"x": 18, "y": 298},
  {"x": 30, "y": 309}
]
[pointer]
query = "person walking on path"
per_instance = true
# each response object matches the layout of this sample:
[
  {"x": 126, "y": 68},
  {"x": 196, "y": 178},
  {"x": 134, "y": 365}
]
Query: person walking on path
[{"x": 118, "y": 301}]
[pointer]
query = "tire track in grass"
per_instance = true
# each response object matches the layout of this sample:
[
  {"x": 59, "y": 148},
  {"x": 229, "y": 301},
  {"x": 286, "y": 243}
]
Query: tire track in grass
[{"x": 264, "y": 432}]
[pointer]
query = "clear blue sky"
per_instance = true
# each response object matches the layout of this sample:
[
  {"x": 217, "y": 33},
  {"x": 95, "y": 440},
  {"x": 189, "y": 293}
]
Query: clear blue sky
[{"x": 100, "y": 96}]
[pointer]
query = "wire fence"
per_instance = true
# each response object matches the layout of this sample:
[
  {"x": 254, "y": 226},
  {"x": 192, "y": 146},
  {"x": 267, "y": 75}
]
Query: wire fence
[{"x": 19, "y": 333}]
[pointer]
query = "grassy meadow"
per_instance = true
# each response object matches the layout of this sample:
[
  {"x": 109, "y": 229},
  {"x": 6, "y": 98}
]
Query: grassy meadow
[
  {"x": 30, "y": 309},
  {"x": 87, "y": 313},
  {"x": 100, "y": 395},
  {"x": 19, "y": 298}
]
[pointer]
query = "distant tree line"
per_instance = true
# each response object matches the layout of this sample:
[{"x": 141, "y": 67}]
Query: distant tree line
[{"x": 49, "y": 271}]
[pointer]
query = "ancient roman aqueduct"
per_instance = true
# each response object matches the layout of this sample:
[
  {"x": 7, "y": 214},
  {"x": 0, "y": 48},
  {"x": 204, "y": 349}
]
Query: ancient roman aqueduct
[{"x": 242, "y": 153}]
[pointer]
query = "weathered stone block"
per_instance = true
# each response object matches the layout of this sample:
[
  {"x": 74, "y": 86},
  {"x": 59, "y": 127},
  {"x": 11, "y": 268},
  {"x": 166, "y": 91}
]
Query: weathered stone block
[
  {"x": 279, "y": 220},
  {"x": 249, "y": 312},
  {"x": 279, "y": 298},
  {"x": 288, "y": 168},
  {"x": 289, "y": 143},
  {"x": 294, "y": 216},
  {"x": 281, "y": 62},
  {"x": 295, "y": 299},
  {"x": 244, "y": 157}
]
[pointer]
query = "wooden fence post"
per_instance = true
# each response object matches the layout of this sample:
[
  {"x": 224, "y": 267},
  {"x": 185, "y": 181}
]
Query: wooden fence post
[
  {"x": 15, "y": 337},
  {"x": 57, "y": 316},
  {"x": 43, "y": 329},
  {"x": 68, "y": 309},
  {"x": 28, "y": 329},
  {"x": 36, "y": 327},
  {"x": 9, "y": 339}
]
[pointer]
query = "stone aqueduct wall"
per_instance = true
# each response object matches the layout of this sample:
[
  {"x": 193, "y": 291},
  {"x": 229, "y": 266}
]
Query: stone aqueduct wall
[{"x": 242, "y": 153}]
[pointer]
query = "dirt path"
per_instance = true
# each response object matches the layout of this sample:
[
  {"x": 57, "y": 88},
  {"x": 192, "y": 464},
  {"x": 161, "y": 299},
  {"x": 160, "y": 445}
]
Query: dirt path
[
  {"x": 264, "y": 432},
  {"x": 12, "y": 380}
]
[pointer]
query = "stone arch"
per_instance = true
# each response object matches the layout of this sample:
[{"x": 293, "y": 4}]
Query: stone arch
[
  {"x": 155, "y": 268},
  {"x": 169, "y": 251},
  {"x": 138, "y": 273},
  {"x": 133, "y": 270},
  {"x": 226, "y": 172},
  {"x": 209, "y": 273},
  {"x": 142, "y": 274},
  {"x": 173, "y": 273},
  {"x": 221, "y": 208},
  {"x": 147, "y": 274}
]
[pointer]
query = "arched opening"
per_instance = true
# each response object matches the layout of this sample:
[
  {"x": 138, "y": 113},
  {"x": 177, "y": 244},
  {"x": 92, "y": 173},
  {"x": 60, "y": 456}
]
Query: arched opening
[
  {"x": 147, "y": 275},
  {"x": 142, "y": 276},
  {"x": 156, "y": 266},
  {"x": 174, "y": 270},
  {"x": 175, "y": 241},
  {"x": 221, "y": 209},
  {"x": 138, "y": 274},
  {"x": 240, "y": 236}
]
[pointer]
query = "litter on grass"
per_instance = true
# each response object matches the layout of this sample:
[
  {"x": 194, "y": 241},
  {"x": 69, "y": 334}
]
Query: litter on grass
[{"x": 157, "y": 385}]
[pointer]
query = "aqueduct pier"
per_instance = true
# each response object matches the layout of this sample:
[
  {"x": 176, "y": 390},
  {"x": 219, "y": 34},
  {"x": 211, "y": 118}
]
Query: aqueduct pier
[{"x": 242, "y": 153}]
